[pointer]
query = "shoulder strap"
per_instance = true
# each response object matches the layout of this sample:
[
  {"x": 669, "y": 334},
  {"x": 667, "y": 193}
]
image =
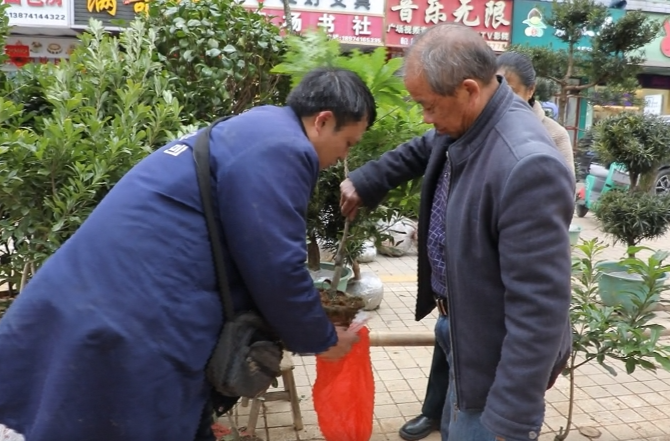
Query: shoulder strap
[{"x": 201, "y": 156}]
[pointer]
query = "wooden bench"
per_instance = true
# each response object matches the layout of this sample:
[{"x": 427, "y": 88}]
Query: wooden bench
[{"x": 290, "y": 393}]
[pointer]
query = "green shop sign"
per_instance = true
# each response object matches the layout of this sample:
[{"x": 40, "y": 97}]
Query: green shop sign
[
  {"x": 529, "y": 25},
  {"x": 658, "y": 50}
]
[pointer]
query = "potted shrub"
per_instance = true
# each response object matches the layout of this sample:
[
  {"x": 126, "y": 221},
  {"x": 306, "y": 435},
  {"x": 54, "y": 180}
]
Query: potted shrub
[
  {"x": 640, "y": 142},
  {"x": 602, "y": 333}
]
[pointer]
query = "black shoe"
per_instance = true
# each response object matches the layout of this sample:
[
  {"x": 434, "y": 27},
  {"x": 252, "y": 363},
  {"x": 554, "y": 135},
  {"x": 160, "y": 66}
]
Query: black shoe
[{"x": 418, "y": 428}]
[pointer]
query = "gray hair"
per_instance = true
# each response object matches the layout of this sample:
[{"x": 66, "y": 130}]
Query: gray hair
[{"x": 450, "y": 53}]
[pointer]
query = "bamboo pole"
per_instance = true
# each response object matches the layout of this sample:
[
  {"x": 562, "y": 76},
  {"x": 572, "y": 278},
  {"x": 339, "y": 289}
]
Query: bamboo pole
[
  {"x": 390, "y": 338},
  {"x": 423, "y": 338}
]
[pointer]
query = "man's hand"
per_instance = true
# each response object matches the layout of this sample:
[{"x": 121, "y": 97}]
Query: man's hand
[
  {"x": 350, "y": 202},
  {"x": 345, "y": 339}
]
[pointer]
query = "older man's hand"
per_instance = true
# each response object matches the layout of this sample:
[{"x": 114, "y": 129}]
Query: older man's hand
[{"x": 350, "y": 202}]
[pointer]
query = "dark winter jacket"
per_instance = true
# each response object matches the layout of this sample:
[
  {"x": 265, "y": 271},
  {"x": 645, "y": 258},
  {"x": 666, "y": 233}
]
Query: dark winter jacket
[{"x": 507, "y": 254}]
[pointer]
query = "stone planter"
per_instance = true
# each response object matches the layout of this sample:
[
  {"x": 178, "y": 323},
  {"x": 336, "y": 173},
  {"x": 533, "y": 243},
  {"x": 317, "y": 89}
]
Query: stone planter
[{"x": 618, "y": 287}]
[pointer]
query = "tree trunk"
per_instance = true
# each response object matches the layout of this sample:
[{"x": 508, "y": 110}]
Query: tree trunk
[
  {"x": 356, "y": 267},
  {"x": 564, "y": 432},
  {"x": 288, "y": 20},
  {"x": 562, "y": 105},
  {"x": 647, "y": 182},
  {"x": 313, "y": 253}
]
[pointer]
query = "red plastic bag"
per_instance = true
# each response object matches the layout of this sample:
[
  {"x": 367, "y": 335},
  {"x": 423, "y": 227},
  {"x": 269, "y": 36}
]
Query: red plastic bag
[{"x": 344, "y": 394}]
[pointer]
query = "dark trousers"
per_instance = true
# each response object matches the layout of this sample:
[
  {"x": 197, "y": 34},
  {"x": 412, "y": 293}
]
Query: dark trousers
[{"x": 438, "y": 383}]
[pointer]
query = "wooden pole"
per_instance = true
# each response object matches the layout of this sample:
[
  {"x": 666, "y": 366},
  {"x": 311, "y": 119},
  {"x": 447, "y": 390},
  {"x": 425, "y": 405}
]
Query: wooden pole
[
  {"x": 390, "y": 338},
  {"x": 422, "y": 338}
]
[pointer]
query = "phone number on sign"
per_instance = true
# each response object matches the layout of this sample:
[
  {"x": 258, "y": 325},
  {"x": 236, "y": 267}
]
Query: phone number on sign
[{"x": 29, "y": 16}]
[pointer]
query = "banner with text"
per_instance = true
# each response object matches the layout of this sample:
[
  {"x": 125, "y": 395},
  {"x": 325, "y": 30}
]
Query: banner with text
[
  {"x": 38, "y": 13},
  {"x": 23, "y": 49},
  {"x": 491, "y": 18},
  {"x": 358, "y": 29},
  {"x": 368, "y": 7}
]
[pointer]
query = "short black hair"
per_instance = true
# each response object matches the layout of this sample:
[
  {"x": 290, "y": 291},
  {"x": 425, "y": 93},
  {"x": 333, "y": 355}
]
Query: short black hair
[
  {"x": 338, "y": 90},
  {"x": 521, "y": 65}
]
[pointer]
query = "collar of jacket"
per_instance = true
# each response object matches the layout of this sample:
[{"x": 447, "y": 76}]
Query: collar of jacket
[{"x": 473, "y": 138}]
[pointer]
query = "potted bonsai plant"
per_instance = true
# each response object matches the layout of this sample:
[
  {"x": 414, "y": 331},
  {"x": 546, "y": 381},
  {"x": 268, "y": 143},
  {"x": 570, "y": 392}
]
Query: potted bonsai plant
[
  {"x": 640, "y": 142},
  {"x": 396, "y": 123}
]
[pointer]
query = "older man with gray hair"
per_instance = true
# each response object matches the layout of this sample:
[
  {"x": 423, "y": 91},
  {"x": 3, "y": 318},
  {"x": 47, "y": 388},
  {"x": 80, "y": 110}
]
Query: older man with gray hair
[{"x": 494, "y": 252}]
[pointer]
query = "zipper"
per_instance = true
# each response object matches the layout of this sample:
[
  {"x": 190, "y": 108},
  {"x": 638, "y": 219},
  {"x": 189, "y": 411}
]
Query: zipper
[{"x": 449, "y": 304}]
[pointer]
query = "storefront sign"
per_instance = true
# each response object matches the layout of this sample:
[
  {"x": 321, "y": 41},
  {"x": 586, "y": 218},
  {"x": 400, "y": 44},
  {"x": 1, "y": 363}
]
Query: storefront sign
[
  {"x": 657, "y": 52},
  {"x": 24, "y": 49},
  {"x": 406, "y": 18},
  {"x": 530, "y": 26},
  {"x": 367, "y": 7},
  {"x": 653, "y": 104},
  {"x": 38, "y": 13},
  {"x": 360, "y": 29},
  {"x": 107, "y": 11}
]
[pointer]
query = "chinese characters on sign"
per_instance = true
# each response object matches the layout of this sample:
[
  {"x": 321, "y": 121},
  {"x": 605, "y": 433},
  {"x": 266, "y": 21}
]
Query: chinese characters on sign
[
  {"x": 367, "y": 7},
  {"x": 107, "y": 10},
  {"x": 491, "y": 18},
  {"x": 348, "y": 28},
  {"x": 42, "y": 13}
]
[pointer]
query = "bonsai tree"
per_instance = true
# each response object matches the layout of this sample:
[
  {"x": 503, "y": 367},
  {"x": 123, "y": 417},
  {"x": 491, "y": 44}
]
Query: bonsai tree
[
  {"x": 218, "y": 55},
  {"x": 101, "y": 112},
  {"x": 613, "y": 59},
  {"x": 641, "y": 143},
  {"x": 603, "y": 333},
  {"x": 397, "y": 122}
]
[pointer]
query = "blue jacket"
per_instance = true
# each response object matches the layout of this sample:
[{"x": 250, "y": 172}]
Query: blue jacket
[
  {"x": 109, "y": 340},
  {"x": 507, "y": 253}
]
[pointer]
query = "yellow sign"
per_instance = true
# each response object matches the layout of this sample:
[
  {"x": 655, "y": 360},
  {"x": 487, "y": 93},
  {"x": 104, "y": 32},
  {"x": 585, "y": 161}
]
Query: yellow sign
[{"x": 102, "y": 5}]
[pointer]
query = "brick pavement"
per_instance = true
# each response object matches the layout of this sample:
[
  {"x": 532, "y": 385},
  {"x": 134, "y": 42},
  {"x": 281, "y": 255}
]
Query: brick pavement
[{"x": 623, "y": 408}]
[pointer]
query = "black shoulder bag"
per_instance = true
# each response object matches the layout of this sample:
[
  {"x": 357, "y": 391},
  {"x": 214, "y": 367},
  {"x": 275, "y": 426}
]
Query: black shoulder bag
[{"x": 246, "y": 358}]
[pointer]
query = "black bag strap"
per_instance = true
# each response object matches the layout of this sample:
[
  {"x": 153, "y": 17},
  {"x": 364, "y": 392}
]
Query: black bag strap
[{"x": 202, "y": 167}]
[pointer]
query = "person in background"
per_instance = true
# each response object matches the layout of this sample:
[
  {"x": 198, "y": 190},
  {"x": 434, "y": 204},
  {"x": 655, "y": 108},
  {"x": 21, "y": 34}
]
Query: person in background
[
  {"x": 520, "y": 74},
  {"x": 429, "y": 420},
  {"x": 494, "y": 251},
  {"x": 110, "y": 338}
]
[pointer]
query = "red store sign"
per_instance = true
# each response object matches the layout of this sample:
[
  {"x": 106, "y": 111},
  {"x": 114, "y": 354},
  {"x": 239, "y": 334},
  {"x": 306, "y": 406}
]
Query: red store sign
[
  {"x": 491, "y": 18},
  {"x": 360, "y": 29}
]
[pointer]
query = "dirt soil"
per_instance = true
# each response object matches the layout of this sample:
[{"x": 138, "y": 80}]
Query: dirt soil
[{"x": 343, "y": 308}]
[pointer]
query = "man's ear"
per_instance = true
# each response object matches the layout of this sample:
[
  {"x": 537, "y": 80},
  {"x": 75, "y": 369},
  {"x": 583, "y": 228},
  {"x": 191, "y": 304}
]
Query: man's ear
[{"x": 322, "y": 119}]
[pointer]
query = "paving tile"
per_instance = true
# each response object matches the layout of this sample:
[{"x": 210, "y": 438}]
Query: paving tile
[
  {"x": 595, "y": 391},
  {"x": 391, "y": 425},
  {"x": 656, "y": 399},
  {"x": 623, "y": 432},
  {"x": 664, "y": 425},
  {"x": 387, "y": 411}
]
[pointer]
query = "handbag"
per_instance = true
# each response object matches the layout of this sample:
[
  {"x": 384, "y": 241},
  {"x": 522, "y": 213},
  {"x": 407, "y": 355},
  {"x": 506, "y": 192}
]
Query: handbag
[{"x": 247, "y": 355}]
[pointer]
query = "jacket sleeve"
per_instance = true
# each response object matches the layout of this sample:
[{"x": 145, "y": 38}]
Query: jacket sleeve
[
  {"x": 408, "y": 161},
  {"x": 537, "y": 206},
  {"x": 263, "y": 198},
  {"x": 562, "y": 140}
]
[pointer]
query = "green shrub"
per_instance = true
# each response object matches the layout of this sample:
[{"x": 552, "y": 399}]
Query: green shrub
[
  {"x": 218, "y": 56},
  {"x": 103, "y": 111},
  {"x": 633, "y": 217}
]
